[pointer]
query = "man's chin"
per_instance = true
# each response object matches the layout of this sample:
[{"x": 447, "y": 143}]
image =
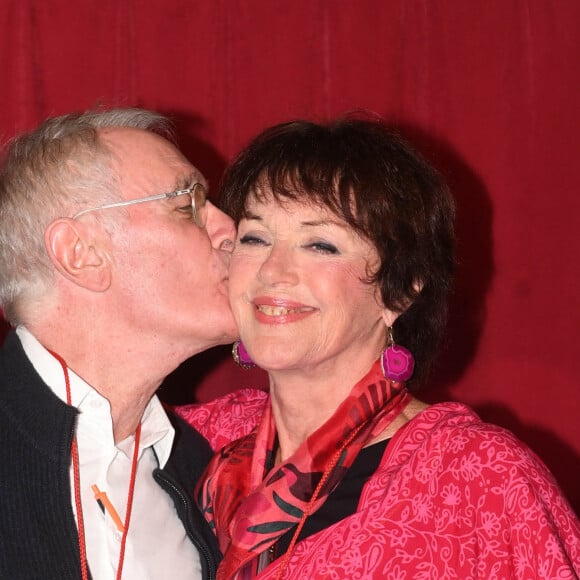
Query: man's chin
[{"x": 231, "y": 336}]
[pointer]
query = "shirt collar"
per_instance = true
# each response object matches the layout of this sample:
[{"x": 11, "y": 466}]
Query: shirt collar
[
  {"x": 156, "y": 429},
  {"x": 50, "y": 370}
]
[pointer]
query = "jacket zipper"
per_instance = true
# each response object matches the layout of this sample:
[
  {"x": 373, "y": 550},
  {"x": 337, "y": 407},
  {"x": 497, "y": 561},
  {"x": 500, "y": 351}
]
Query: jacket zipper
[{"x": 198, "y": 544}]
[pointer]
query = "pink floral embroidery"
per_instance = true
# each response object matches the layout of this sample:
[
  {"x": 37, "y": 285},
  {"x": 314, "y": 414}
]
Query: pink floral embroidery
[
  {"x": 451, "y": 494},
  {"x": 489, "y": 508},
  {"x": 228, "y": 418}
]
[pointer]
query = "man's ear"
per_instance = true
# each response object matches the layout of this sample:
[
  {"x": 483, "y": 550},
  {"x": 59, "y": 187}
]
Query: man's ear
[{"x": 78, "y": 255}]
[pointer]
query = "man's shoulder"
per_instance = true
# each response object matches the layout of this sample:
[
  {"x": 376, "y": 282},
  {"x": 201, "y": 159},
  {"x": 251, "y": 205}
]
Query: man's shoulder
[
  {"x": 186, "y": 436},
  {"x": 12, "y": 358},
  {"x": 190, "y": 452}
]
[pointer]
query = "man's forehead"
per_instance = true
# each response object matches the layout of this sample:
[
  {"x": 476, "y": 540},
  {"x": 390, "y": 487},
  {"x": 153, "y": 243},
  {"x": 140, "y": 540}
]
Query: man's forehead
[
  {"x": 127, "y": 138},
  {"x": 137, "y": 151}
]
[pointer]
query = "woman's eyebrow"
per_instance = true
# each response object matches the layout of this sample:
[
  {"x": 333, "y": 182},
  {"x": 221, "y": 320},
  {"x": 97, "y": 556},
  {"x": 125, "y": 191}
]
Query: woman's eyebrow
[
  {"x": 248, "y": 215},
  {"x": 324, "y": 223}
]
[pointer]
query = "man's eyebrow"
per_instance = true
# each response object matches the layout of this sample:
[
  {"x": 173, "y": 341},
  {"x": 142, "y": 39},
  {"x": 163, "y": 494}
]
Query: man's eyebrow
[
  {"x": 186, "y": 181},
  {"x": 248, "y": 215}
]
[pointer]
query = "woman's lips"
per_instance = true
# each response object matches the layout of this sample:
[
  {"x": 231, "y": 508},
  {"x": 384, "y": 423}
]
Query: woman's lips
[{"x": 277, "y": 311}]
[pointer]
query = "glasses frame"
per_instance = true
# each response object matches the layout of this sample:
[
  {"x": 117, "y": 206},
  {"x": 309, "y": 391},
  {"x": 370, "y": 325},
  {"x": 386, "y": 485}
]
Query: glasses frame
[{"x": 199, "y": 217}]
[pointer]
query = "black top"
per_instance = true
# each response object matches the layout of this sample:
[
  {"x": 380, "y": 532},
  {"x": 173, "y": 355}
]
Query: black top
[
  {"x": 343, "y": 501},
  {"x": 38, "y": 531}
]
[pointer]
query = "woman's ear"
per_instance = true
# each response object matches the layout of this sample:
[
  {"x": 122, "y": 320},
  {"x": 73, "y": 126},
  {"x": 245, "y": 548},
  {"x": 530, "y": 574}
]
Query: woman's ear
[
  {"x": 78, "y": 254},
  {"x": 389, "y": 317},
  {"x": 418, "y": 286}
]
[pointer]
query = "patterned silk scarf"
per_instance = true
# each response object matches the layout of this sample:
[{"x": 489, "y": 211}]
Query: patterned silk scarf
[{"x": 249, "y": 509}]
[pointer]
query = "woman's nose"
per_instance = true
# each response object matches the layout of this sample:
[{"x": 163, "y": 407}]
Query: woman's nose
[{"x": 278, "y": 266}]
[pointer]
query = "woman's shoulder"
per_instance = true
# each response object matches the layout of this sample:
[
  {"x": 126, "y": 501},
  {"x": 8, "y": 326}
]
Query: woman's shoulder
[
  {"x": 456, "y": 429},
  {"x": 448, "y": 461},
  {"x": 226, "y": 418},
  {"x": 449, "y": 440}
]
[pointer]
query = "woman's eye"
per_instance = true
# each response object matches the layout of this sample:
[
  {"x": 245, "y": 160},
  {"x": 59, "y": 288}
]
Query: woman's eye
[
  {"x": 252, "y": 240},
  {"x": 324, "y": 248}
]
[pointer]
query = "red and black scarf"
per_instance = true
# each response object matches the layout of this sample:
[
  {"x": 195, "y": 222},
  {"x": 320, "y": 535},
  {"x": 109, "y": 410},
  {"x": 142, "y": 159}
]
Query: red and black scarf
[{"x": 250, "y": 509}]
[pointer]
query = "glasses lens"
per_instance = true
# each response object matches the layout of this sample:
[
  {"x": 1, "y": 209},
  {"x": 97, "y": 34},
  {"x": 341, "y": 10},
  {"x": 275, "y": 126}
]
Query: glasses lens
[{"x": 198, "y": 201}]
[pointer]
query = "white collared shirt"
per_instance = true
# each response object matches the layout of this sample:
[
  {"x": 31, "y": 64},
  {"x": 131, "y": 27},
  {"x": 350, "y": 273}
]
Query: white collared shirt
[{"x": 157, "y": 545}]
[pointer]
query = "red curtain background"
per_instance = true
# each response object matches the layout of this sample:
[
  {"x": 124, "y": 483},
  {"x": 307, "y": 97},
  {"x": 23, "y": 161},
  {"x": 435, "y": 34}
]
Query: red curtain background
[{"x": 487, "y": 90}]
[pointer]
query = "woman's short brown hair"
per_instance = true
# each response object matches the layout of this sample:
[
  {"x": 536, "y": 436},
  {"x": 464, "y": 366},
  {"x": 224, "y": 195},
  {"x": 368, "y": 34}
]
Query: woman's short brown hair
[{"x": 386, "y": 191}]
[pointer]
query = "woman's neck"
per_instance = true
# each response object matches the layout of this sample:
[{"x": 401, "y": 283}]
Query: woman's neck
[{"x": 302, "y": 401}]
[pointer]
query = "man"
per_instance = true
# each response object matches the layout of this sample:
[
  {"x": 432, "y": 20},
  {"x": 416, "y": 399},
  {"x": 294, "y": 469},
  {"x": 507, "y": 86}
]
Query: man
[{"x": 113, "y": 271}]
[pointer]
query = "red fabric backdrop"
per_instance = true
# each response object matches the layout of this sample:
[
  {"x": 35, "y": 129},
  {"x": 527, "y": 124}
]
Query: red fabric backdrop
[{"x": 489, "y": 91}]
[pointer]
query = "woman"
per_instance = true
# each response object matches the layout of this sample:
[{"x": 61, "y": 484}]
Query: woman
[{"x": 344, "y": 253}]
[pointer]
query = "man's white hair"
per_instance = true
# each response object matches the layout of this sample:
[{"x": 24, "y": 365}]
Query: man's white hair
[{"x": 54, "y": 171}]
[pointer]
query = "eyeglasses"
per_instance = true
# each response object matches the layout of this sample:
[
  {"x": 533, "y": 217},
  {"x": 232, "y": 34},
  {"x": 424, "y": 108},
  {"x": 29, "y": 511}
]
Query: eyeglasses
[{"x": 196, "y": 192}]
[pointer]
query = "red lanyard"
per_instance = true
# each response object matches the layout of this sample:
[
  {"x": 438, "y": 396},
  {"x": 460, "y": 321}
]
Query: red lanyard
[{"x": 77, "y": 487}]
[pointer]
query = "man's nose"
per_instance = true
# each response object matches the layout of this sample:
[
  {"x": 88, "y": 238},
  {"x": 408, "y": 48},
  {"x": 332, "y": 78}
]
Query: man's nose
[{"x": 220, "y": 228}]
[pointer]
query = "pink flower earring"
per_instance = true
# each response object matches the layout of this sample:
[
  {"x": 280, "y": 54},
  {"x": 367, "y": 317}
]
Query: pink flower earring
[
  {"x": 398, "y": 362},
  {"x": 241, "y": 356}
]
